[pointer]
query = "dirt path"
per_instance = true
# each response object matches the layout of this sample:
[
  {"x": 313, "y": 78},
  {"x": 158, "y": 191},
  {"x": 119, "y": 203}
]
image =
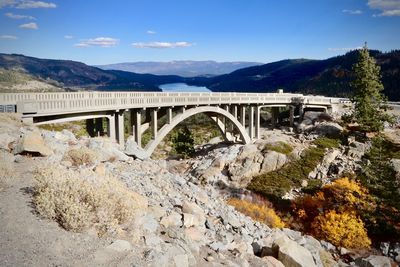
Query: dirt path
[{"x": 27, "y": 240}]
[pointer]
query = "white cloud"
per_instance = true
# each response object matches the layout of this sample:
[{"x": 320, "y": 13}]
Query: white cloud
[
  {"x": 6, "y": 3},
  {"x": 16, "y": 16},
  {"x": 99, "y": 41},
  {"x": 343, "y": 49},
  {"x": 352, "y": 12},
  {"x": 31, "y": 26},
  {"x": 68, "y": 37},
  {"x": 162, "y": 45},
  {"x": 8, "y": 37},
  {"x": 151, "y": 32},
  {"x": 388, "y": 8},
  {"x": 34, "y": 4}
]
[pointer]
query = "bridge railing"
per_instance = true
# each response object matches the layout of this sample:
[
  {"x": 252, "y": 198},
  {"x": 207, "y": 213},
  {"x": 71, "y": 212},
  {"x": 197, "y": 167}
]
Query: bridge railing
[{"x": 71, "y": 102}]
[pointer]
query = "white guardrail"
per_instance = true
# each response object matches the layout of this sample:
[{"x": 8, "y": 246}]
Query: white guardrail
[{"x": 72, "y": 102}]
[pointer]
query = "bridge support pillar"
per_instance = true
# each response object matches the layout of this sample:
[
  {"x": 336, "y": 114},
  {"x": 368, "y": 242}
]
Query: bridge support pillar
[
  {"x": 120, "y": 127},
  {"x": 301, "y": 112},
  {"x": 274, "y": 116},
  {"x": 242, "y": 115},
  {"x": 291, "y": 116},
  {"x": 111, "y": 127},
  {"x": 251, "y": 122},
  {"x": 258, "y": 122},
  {"x": 154, "y": 123},
  {"x": 169, "y": 115},
  {"x": 234, "y": 112},
  {"x": 136, "y": 115}
]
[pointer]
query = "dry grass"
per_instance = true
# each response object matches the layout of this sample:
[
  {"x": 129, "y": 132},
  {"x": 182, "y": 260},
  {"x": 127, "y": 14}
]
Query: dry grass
[
  {"x": 104, "y": 204},
  {"x": 7, "y": 171},
  {"x": 81, "y": 156}
]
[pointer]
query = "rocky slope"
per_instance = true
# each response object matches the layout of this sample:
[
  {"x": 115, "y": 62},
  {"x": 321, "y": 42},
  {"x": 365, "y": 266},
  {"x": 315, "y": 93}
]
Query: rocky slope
[{"x": 186, "y": 221}]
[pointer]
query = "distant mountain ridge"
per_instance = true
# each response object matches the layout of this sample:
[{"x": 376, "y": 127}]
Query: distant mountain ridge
[
  {"x": 73, "y": 74},
  {"x": 184, "y": 68},
  {"x": 329, "y": 77}
]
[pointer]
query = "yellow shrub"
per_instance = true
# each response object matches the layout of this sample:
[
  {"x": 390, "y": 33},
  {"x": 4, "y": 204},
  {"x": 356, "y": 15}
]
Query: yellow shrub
[
  {"x": 77, "y": 204},
  {"x": 341, "y": 229},
  {"x": 345, "y": 190},
  {"x": 80, "y": 156},
  {"x": 258, "y": 212}
]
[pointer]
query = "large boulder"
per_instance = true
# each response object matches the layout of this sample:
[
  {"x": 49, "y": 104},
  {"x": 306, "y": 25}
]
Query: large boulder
[
  {"x": 273, "y": 161},
  {"x": 374, "y": 261},
  {"x": 292, "y": 254},
  {"x": 326, "y": 129},
  {"x": 132, "y": 149},
  {"x": 107, "y": 149},
  {"x": 32, "y": 142}
]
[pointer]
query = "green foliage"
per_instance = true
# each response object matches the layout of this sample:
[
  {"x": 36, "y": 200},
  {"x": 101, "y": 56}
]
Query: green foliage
[
  {"x": 280, "y": 147},
  {"x": 369, "y": 101},
  {"x": 183, "y": 142},
  {"x": 277, "y": 183},
  {"x": 380, "y": 178}
]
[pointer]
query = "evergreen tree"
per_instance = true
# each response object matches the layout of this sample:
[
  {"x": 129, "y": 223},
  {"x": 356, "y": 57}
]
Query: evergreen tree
[
  {"x": 368, "y": 99},
  {"x": 183, "y": 142}
]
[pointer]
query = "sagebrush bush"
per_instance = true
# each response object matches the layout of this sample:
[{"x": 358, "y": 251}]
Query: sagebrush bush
[
  {"x": 104, "y": 203},
  {"x": 344, "y": 229},
  {"x": 80, "y": 156},
  {"x": 258, "y": 212}
]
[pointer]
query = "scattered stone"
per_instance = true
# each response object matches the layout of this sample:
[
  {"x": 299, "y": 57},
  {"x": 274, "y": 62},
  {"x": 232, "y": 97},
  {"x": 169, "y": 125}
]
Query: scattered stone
[{"x": 172, "y": 220}]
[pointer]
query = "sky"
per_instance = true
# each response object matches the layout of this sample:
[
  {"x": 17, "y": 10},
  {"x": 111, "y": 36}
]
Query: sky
[{"x": 105, "y": 32}]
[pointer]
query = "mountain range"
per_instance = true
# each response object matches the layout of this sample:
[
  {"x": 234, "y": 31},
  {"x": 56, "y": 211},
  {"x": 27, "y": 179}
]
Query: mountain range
[
  {"x": 183, "y": 68},
  {"x": 329, "y": 77}
]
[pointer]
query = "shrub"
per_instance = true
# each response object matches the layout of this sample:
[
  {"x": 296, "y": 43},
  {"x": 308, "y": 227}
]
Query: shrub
[
  {"x": 80, "y": 156},
  {"x": 258, "y": 212},
  {"x": 341, "y": 229},
  {"x": 277, "y": 183},
  {"x": 77, "y": 204},
  {"x": 280, "y": 147}
]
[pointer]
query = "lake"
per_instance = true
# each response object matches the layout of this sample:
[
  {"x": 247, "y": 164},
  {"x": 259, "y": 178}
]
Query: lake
[{"x": 182, "y": 87}]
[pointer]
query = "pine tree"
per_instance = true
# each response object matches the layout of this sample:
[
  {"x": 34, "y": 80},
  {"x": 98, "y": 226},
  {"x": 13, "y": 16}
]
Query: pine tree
[
  {"x": 183, "y": 142},
  {"x": 369, "y": 102}
]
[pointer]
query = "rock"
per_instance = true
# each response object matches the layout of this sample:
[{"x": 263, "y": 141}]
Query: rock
[
  {"x": 6, "y": 140},
  {"x": 120, "y": 245},
  {"x": 192, "y": 208},
  {"x": 32, "y": 142},
  {"x": 190, "y": 220},
  {"x": 327, "y": 259},
  {"x": 172, "y": 220},
  {"x": 107, "y": 149},
  {"x": 149, "y": 223},
  {"x": 181, "y": 260},
  {"x": 152, "y": 240},
  {"x": 132, "y": 149},
  {"x": 357, "y": 149},
  {"x": 292, "y": 254},
  {"x": 396, "y": 167},
  {"x": 374, "y": 261},
  {"x": 272, "y": 262},
  {"x": 194, "y": 234},
  {"x": 231, "y": 219},
  {"x": 326, "y": 129},
  {"x": 273, "y": 161},
  {"x": 385, "y": 248},
  {"x": 99, "y": 169}
]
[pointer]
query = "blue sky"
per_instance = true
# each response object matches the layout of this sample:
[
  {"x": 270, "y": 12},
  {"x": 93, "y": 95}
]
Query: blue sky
[{"x": 103, "y": 31}]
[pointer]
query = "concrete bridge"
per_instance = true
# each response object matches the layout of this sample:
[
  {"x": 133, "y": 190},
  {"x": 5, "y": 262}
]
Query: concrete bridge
[{"x": 237, "y": 115}]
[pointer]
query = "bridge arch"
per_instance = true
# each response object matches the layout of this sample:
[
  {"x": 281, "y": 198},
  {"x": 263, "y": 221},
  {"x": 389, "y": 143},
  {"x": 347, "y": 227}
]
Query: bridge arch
[{"x": 151, "y": 146}]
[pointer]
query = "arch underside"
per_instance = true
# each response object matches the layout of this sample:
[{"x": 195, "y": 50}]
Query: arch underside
[{"x": 211, "y": 112}]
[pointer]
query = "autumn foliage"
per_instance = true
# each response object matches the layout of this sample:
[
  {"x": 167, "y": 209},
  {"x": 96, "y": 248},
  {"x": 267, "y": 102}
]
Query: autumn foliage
[
  {"x": 334, "y": 213},
  {"x": 258, "y": 211}
]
